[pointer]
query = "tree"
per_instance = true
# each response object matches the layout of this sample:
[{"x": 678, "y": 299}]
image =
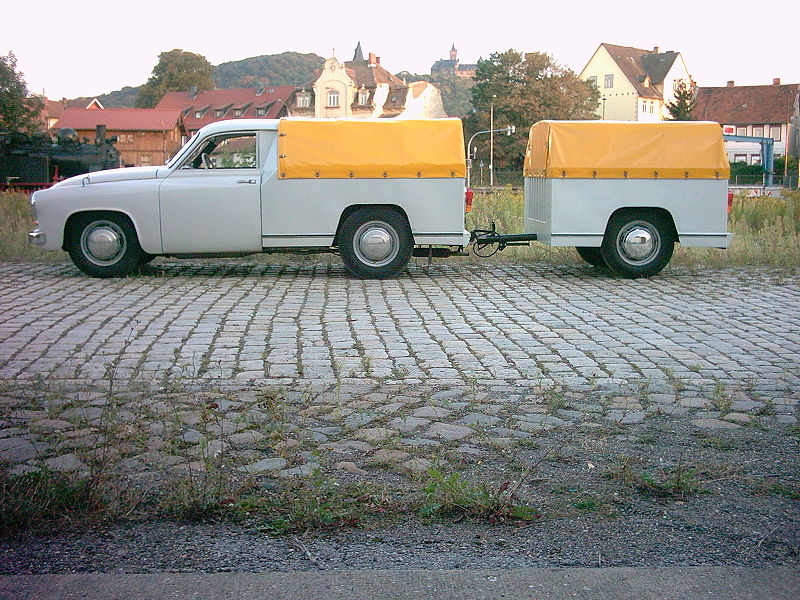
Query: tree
[
  {"x": 19, "y": 111},
  {"x": 681, "y": 108},
  {"x": 526, "y": 88},
  {"x": 177, "y": 70}
]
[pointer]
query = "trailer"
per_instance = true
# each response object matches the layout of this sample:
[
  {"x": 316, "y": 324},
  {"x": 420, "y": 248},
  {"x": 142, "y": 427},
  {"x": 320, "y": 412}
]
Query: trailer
[{"x": 623, "y": 193}]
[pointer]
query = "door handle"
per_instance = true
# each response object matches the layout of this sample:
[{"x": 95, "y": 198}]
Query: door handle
[{"x": 245, "y": 181}]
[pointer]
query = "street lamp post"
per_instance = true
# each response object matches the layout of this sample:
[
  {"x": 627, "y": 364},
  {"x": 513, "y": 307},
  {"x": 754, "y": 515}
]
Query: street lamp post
[
  {"x": 604, "y": 108},
  {"x": 508, "y": 131}
]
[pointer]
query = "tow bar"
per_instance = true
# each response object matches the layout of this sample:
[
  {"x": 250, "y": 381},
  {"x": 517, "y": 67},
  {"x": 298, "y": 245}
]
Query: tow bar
[{"x": 486, "y": 238}]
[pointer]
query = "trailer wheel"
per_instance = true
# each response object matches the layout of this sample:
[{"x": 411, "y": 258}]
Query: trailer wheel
[
  {"x": 637, "y": 243},
  {"x": 103, "y": 244},
  {"x": 592, "y": 255},
  {"x": 375, "y": 243}
]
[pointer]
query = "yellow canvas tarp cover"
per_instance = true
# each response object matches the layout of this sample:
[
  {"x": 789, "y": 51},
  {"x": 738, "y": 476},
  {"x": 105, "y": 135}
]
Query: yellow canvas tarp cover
[
  {"x": 612, "y": 149},
  {"x": 341, "y": 149}
]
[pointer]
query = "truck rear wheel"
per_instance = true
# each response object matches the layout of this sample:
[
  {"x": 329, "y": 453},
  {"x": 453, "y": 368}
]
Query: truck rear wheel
[
  {"x": 375, "y": 243},
  {"x": 637, "y": 243},
  {"x": 592, "y": 255},
  {"x": 103, "y": 244}
]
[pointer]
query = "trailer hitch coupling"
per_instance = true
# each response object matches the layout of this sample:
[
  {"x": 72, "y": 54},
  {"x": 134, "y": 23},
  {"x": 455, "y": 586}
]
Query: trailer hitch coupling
[{"x": 487, "y": 242}]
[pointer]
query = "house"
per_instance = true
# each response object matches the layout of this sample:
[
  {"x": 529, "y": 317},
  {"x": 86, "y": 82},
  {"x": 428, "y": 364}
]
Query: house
[
  {"x": 201, "y": 107},
  {"x": 453, "y": 66},
  {"x": 635, "y": 84},
  {"x": 53, "y": 109},
  {"x": 145, "y": 136},
  {"x": 363, "y": 89},
  {"x": 753, "y": 110}
]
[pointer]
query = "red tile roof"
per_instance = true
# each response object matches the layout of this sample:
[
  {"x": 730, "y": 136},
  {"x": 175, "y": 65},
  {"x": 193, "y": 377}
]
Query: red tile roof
[
  {"x": 120, "y": 119},
  {"x": 746, "y": 104},
  {"x": 249, "y": 100}
]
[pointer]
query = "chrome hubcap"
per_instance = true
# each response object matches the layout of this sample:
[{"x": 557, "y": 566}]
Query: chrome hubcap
[
  {"x": 103, "y": 243},
  {"x": 376, "y": 243},
  {"x": 638, "y": 243}
]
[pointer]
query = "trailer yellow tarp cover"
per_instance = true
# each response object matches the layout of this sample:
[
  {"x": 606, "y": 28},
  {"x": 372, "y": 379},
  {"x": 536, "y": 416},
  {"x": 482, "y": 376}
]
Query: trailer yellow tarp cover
[
  {"x": 340, "y": 149},
  {"x": 612, "y": 149}
]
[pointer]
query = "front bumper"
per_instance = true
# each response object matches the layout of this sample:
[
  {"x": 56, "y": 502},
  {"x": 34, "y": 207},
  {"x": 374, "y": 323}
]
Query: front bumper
[{"x": 36, "y": 237}]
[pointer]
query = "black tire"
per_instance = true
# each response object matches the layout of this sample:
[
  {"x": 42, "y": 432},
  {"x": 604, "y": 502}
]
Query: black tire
[
  {"x": 638, "y": 243},
  {"x": 146, "y": 258},
  {"x": 104, "y": 244},
  {"x": 592, "y": 255},
  {"x": 375, "y": 243}
]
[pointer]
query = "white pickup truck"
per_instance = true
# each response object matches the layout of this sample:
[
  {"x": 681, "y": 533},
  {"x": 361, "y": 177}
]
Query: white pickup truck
[{"x": 377, "y": 192}]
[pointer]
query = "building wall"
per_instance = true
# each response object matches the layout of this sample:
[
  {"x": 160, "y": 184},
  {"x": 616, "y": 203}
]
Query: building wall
[
  {"x": 676, "y": 74},
  {"x": 622, "y": 99},
  {"x": 333, "y": 77},
  {"x": 426, "y": 104}
]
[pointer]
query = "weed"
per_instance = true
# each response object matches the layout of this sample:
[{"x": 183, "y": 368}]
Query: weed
[
  {"x": 589, "y": 504},
  {"x": 726, "y": 444},
  {"x": 453, "y": 496},
  {"x": 678, "y": 481},
  {"x": 33, "y": 499},
  {"x": 780, "y": 489}
]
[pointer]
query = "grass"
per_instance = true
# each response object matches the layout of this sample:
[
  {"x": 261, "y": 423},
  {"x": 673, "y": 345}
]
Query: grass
[
  {"x": 766, "y": 233},
  {"x": 30, "y": 500}
]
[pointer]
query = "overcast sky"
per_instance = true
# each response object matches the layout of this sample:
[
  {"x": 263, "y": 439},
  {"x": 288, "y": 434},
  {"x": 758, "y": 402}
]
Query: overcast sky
[{"x": 91, "y": 47}]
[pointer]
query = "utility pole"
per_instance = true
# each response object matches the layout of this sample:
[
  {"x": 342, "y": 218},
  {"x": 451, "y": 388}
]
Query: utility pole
[{"x": 491, "y": 143}]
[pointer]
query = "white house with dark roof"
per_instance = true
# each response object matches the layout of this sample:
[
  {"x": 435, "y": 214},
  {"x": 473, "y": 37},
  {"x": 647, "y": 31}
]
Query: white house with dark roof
[
  {"x": 635, "y": 84},
  {"x": 363, "y": 89}
]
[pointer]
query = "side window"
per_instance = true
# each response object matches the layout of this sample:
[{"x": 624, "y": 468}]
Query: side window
[{"x": 227, "y": 151}]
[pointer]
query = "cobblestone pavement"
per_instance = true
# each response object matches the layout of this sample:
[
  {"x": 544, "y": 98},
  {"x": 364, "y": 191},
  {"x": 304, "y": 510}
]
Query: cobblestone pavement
[
  {"x": 488, "y": 324},
  {"x": 279, "y": 367}
]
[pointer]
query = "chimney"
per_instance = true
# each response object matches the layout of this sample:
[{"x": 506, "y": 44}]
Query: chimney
[
  {"x": 372, "y": 59},
  {"x": 776, "y": 81},
  {"x": 657, "y": 50},
  {"x": 730, "y": 83}
]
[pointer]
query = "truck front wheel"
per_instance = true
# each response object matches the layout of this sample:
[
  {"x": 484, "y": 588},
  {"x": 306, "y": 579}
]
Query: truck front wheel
[
  {"x": 375, "y": 243},
  {"x": 637, "y": 243},
  {"x": 103, "y": 244}
]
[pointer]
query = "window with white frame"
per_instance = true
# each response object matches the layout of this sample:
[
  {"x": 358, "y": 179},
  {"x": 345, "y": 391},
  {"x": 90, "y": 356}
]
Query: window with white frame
[
  {"x": 775, "y": 132},
  {"x": 333, "y": 98},
  {"x": 758, "y": 131},
  {"x": 741, "y": 131},
  {"x": 593, "y": 80},
  {"x": 303, "y": 100},
  {"x": 609, "y": 82},
  {"x": 742, "y": 158},
  {"x": 363, "y": 97},
  {"x": 755, "y": 159}
]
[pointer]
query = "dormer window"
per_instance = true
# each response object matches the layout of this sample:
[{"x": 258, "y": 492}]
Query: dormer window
[
  {"x": 198, "y": 114},
  {"x": 363, "y": 97},
  {"x": 303, "y": 100},
  {"x": 238, "y": 112},
  {"x": 218, "y": 112},
  {"x": 261, "y": 111}
]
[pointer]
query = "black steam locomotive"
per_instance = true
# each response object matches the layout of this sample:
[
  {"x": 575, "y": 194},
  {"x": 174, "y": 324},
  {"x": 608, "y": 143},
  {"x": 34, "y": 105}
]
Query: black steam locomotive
[{"x": 34, "y": 161}]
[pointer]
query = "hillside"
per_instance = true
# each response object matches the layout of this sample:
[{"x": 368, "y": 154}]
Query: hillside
[{"x": 287, "y": 68}]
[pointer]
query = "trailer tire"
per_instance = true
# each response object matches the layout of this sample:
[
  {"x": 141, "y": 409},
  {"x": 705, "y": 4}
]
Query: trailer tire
[
  {"x": 592, "y": 255},
  {"x": 637, "y": 243},
  {"x": 375, "y": 243},
  {"x": 103, "y": 244}
]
